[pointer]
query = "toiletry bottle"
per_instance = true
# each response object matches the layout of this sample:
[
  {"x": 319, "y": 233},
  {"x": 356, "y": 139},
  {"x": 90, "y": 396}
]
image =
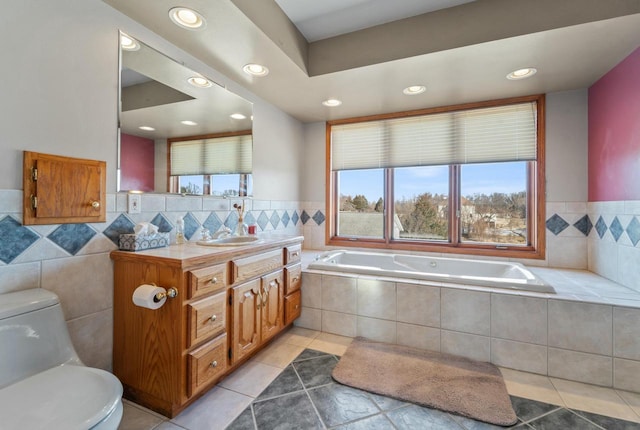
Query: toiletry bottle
[{"x": 180, "y": 231}]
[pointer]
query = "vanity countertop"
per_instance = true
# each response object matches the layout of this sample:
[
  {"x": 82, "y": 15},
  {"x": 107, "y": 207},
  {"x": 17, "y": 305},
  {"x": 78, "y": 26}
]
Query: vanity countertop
[{"x": 190, "y": 254}]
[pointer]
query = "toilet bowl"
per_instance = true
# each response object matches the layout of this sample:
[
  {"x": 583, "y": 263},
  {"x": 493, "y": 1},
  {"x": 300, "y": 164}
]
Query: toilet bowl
[{"x": 43, "y": 383}]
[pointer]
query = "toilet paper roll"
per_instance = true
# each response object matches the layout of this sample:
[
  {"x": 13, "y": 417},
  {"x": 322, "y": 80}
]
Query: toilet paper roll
[{"x": 144, "y": 296}]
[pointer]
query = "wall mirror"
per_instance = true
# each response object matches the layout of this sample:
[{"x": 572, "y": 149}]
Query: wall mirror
[{"x": 179, "y": 131}]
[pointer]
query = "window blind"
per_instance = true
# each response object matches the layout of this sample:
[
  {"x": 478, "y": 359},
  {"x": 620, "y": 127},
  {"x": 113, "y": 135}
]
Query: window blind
[
  {"x": 220, "y": 155},
  {"x": 481, "y": 135}
]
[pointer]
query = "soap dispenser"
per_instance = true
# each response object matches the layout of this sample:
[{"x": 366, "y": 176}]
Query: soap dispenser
[{"x": 179, "y": 231}]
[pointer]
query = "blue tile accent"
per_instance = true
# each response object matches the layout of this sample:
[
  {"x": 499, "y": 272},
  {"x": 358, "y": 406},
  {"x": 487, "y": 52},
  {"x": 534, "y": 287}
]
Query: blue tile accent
[
  {"x": 232, "y": 220},
  {"x": 263, "y": 220},
  {"x": 191, "y": 225},
  {"x": 212, "y": 223},
  {"x": 584, "y": 225},
  {"x": 601, "y": 227},
  {"x": 556, "y": 224},
  {"x": 295, "y": 218},
  {"x": 120, "y": 225},
  {"x": 285, "y": 219},
  {"x": 274, "y": 220},
  {"x": 304, "y": 217},
  {"x": 318, "y": 217},
  {"x": 15, "y": 239},
  {"x": 633, "y": 231},
  {"x": 616, "y": 228},
  {"x": 72, "y": 237},
  {"x": 160, "y": 221},
  {"x": 249, "y": 219}
]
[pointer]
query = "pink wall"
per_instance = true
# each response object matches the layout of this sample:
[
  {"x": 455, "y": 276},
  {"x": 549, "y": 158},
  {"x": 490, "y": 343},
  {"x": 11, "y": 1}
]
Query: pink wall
[
  {"x": 614, "y": 133},
  {"x": 136, "y": 163}
]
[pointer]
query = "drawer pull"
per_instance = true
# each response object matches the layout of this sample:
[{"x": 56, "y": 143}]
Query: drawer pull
[
  {"x": 213, "y": 318},
  {"x": 214, "y": 280},
  {"x": 294, "y": 280},
  {"x": 214, "y": 363},
  {"x": 295, "y": 254}
]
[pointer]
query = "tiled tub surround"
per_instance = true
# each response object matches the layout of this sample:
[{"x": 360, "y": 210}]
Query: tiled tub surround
[
  {"x": 73, "y": 261},
  {"x": 587, "y": 332}
]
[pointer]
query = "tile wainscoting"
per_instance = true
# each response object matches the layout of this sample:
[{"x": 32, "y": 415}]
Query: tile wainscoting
[
  {"x": 73, "y": 261},
  {"x": 556, "y": 335}
]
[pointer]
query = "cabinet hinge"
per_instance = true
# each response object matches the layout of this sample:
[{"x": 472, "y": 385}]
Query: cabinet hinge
[
  {"x": 34, "y": 174},
  {"x": 34, "y": 202}
]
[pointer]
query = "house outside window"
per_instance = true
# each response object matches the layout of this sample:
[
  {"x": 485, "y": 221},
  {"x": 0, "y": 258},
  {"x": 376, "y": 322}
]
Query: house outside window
[{"x": 461, "y": 179}]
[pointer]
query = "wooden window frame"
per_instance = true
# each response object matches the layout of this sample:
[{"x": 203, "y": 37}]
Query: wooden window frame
[{"x": 535, "y": 196}]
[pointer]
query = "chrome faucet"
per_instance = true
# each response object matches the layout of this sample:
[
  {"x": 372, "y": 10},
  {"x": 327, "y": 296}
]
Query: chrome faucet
[{"x": 224, "y": 232}]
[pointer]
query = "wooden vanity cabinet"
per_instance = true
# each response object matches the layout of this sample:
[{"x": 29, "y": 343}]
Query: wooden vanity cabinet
[{"x": 230, "y": 303}]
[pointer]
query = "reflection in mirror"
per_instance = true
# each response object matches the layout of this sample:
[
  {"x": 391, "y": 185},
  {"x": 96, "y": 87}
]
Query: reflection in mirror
[{"x": 179, "y": 131}]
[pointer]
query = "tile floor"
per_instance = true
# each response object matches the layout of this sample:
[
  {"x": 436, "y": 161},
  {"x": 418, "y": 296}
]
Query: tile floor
[{"x": 267, "y": 390}]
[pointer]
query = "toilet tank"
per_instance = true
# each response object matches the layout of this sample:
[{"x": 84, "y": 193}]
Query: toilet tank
[{"x": 33, "y": 335}]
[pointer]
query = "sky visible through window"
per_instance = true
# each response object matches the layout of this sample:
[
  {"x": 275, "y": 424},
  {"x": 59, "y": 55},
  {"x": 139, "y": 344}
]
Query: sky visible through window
[{"x": 477, "y": 179}]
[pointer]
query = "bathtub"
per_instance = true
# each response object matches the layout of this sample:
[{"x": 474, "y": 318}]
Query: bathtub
[{"x": 494, "y": 274}]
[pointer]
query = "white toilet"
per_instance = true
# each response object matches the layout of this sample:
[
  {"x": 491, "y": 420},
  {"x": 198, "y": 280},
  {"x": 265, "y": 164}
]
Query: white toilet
[{"x": 43, "y": 383}]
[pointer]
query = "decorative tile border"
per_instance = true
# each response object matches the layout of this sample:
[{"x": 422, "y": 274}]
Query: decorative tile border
[{"x": 71, "y": 239}]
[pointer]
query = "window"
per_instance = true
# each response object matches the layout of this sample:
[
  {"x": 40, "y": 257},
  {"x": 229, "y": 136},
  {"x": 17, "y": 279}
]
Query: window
[
  {"x": 217, "y": 165},
  {"x": 465, "y": 179}
]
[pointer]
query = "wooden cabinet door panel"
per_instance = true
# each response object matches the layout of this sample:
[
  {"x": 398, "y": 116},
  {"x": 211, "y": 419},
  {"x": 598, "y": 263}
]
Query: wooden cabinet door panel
[
  {"x": 272, "y": 305},
  {"x": 246, "y": 318},
  {"x": 292, "y": 307}
]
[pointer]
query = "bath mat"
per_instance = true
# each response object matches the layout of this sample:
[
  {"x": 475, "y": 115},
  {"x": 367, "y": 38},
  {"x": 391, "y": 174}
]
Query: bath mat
[{"x": 447, "y": 382}]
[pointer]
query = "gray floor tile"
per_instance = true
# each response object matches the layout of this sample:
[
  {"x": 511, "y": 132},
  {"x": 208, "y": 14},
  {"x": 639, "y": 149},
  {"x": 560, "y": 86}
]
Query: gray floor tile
[
  {"x": 609, "y": 423},
  {"x": 317, "y": 371},
  {"x": 376, "y": 422},
  {"x": 243, "y": 422},
  {"x": 293, "y": 411},
  {"x": 562, "y": 419},
  {"x": 527, "y": 410},
  {"x": 286, "y": 382},
  {"x": 309, "y": 353},
  {"x": 416, "y": 417},
  {"x": 338, "y": 404}
]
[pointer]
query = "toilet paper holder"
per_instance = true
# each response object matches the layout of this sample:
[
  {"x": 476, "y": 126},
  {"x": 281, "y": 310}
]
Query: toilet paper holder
[{"x": 170, "y": 293}]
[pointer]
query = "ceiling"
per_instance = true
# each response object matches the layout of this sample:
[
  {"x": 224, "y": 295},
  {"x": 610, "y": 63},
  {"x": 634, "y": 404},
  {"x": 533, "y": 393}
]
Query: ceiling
[{"x": 460, "y": 50}]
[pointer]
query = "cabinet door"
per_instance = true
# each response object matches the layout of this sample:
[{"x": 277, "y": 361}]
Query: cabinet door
[
  {"x": 246, "y": 318},
  {"x": 272, "y": 305}
]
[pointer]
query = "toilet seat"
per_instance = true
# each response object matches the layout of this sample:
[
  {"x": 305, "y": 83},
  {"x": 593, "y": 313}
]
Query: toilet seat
[{"x": 63, "y": 397}]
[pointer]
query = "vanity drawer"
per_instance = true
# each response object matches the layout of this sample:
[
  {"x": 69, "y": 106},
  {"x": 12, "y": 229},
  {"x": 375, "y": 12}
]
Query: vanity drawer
[
  {"x": 292, "y": 254},
  {"x": 256, "y": 265},
  {"x": 292, "y": 307},
  {"x": 206, "y": 363},
  {"x": 207, "y": 317},
  {"x": 293, "y": 276},
  {"x": 207, "y": 280}
]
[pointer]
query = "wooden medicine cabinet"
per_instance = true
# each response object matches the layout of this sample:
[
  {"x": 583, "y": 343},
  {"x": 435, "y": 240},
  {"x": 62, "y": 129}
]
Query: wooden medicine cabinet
[{"x": 63, "y": 190}]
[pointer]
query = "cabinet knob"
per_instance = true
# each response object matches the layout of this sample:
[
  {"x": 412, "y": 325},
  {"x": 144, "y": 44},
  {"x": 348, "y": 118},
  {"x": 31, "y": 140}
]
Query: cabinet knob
[
  {"x": 214, "y": 363},
  {"x": 213, "y": 318},
  {"x": 295, "y": 279},
  {"x": 295, "y": 254},
  {"x": 95, "y": 204},
  {"x": 214, "y": 280}
]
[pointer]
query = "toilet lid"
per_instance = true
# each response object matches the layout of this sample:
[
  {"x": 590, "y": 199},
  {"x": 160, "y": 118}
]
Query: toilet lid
[{"x": 63, "y": 397}]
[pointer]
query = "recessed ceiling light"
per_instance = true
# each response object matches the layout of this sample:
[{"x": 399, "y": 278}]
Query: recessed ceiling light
[
  {"x": 237, "y": 116},
  {"x": 187, "y": 18},
  {"x": 256, "y": 69},
  {"x": 199, "y": 81},
  {"x": 146, "y": 128},
  {"x": 187, "y": 122},
  {"x": 332, "y": 102},
  {"x": 414, "y": 89},
  {"x": 128, "y": 43},
  {"x": 527, "y": 72}
]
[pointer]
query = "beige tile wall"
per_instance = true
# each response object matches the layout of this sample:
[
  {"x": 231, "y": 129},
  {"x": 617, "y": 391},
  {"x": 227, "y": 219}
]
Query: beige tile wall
[{"x": 579, "y": 341}]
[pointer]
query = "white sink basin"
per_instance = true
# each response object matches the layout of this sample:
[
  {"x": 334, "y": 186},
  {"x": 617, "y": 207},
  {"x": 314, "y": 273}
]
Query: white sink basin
[{"x": 230, "y": 241}]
